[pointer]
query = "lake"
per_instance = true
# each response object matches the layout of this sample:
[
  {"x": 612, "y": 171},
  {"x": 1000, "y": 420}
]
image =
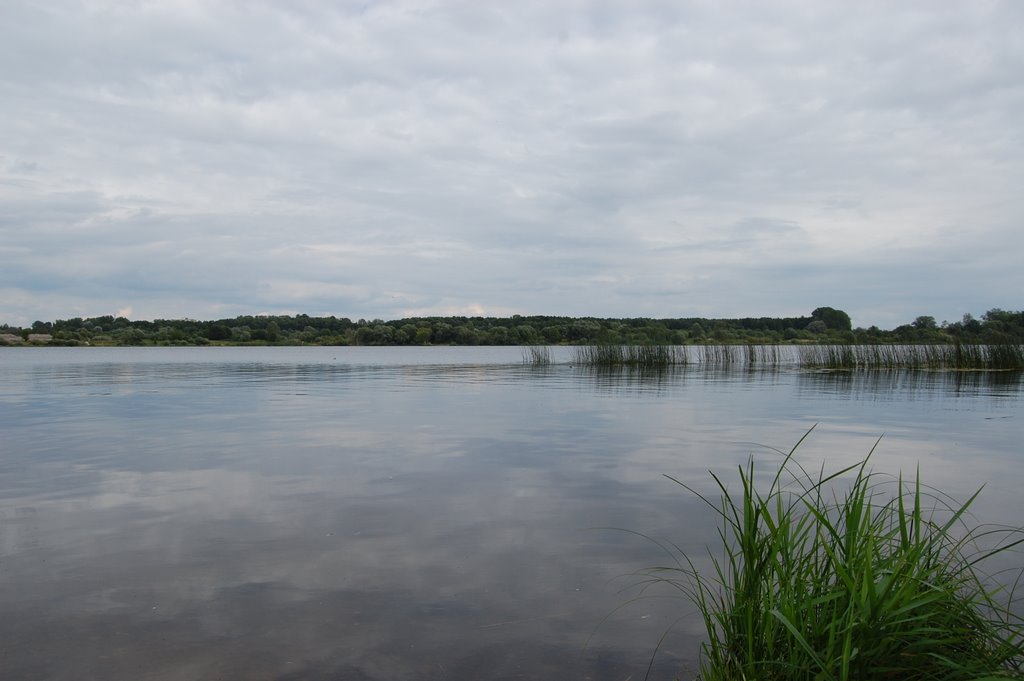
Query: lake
[{"x": 411, "y": 513}]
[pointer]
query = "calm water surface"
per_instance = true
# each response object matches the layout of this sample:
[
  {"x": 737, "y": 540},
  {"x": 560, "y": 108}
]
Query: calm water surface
[{"x": 426, "y": 513}]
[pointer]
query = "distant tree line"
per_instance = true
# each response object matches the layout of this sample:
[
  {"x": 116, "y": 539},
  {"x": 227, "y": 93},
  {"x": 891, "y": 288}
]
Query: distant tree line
[{"x": 824, "y": 325}]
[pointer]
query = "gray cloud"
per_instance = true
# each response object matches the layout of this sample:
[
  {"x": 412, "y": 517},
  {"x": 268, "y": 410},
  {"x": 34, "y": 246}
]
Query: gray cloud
[{"x": 611, "y": 159}]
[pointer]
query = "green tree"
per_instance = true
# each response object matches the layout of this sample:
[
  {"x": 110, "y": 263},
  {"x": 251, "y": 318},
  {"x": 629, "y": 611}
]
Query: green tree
[
  {"x": 443, "y": 333},
  {"x": 499, "y": 335},
  {"x": 524, "y": 334},
  {"x": 406, "y": 335},
  {"x": 134, "y": 337},
  {"x": 834, "y": 319},
  {"x": 218, "y": 332},
  {"x": 552, "y": 333},
  {"x": 925, "y": 322},
  {"x": 467, "y": 335}
]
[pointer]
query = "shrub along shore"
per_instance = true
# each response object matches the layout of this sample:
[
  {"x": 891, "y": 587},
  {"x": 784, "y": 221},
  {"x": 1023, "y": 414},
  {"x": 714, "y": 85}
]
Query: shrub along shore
[{"x": 824, "y": 326}]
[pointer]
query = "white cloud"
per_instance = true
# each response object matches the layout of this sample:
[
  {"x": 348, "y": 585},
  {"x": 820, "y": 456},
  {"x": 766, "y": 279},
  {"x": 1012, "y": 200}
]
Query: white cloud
[{"x": 650, "y": 158}]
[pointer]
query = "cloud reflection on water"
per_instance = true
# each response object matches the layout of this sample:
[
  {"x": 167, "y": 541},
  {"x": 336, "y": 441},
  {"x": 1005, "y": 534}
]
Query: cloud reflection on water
[{"x": 259, "y": 519}]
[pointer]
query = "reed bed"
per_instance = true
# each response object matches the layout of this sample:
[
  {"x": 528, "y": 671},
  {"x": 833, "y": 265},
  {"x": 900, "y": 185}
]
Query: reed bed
[
  {"x": 720, "y": 355},
  {"x": 537, "y": 355},
  {"x": 938, "y": 357},
  {"x": 960, "y": 357},
  {"x": 763, "y": 355},
  {"x": 645, "y": 356},
  {"x": 882, "y": 581}
]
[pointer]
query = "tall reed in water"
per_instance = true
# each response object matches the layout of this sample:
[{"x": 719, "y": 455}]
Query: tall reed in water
[
  {"x": 647, "y": 356},
  {"x": 946, "y": 357},
  {"x": 537, "y": 355}
]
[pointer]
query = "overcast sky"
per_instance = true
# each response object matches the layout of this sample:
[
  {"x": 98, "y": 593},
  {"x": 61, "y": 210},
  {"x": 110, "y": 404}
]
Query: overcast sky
[{"x": 388, "y": 159}]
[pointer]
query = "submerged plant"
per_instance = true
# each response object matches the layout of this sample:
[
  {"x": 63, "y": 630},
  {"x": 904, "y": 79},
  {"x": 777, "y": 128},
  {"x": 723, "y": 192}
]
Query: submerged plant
[{"x": 881, "y": 581}]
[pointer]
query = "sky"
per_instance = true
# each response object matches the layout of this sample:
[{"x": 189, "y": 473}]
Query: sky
[{"x": 202, "y": 159}]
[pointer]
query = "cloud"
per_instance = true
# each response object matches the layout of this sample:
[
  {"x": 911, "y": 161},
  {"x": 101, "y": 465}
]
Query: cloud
[{"x": 184, "y": 159}]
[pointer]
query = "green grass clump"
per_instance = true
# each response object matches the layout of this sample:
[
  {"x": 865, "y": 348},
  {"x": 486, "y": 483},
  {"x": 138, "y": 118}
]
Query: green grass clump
[{"x": 881, "y": 581}]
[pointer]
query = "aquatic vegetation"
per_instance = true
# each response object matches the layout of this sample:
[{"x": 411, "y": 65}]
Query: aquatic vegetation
[
  {"x": 881, "y": 581},
  {"x": 651, "y": 356},
  {"x": 537, "y": 355},
  {"x": 954, "y": 357},
  {"x": 630, "y": 355},
  {"x": 719, "y": 355},
  {"x": 762, "y": 355},
  {"x": 1001, "y": 357}
]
